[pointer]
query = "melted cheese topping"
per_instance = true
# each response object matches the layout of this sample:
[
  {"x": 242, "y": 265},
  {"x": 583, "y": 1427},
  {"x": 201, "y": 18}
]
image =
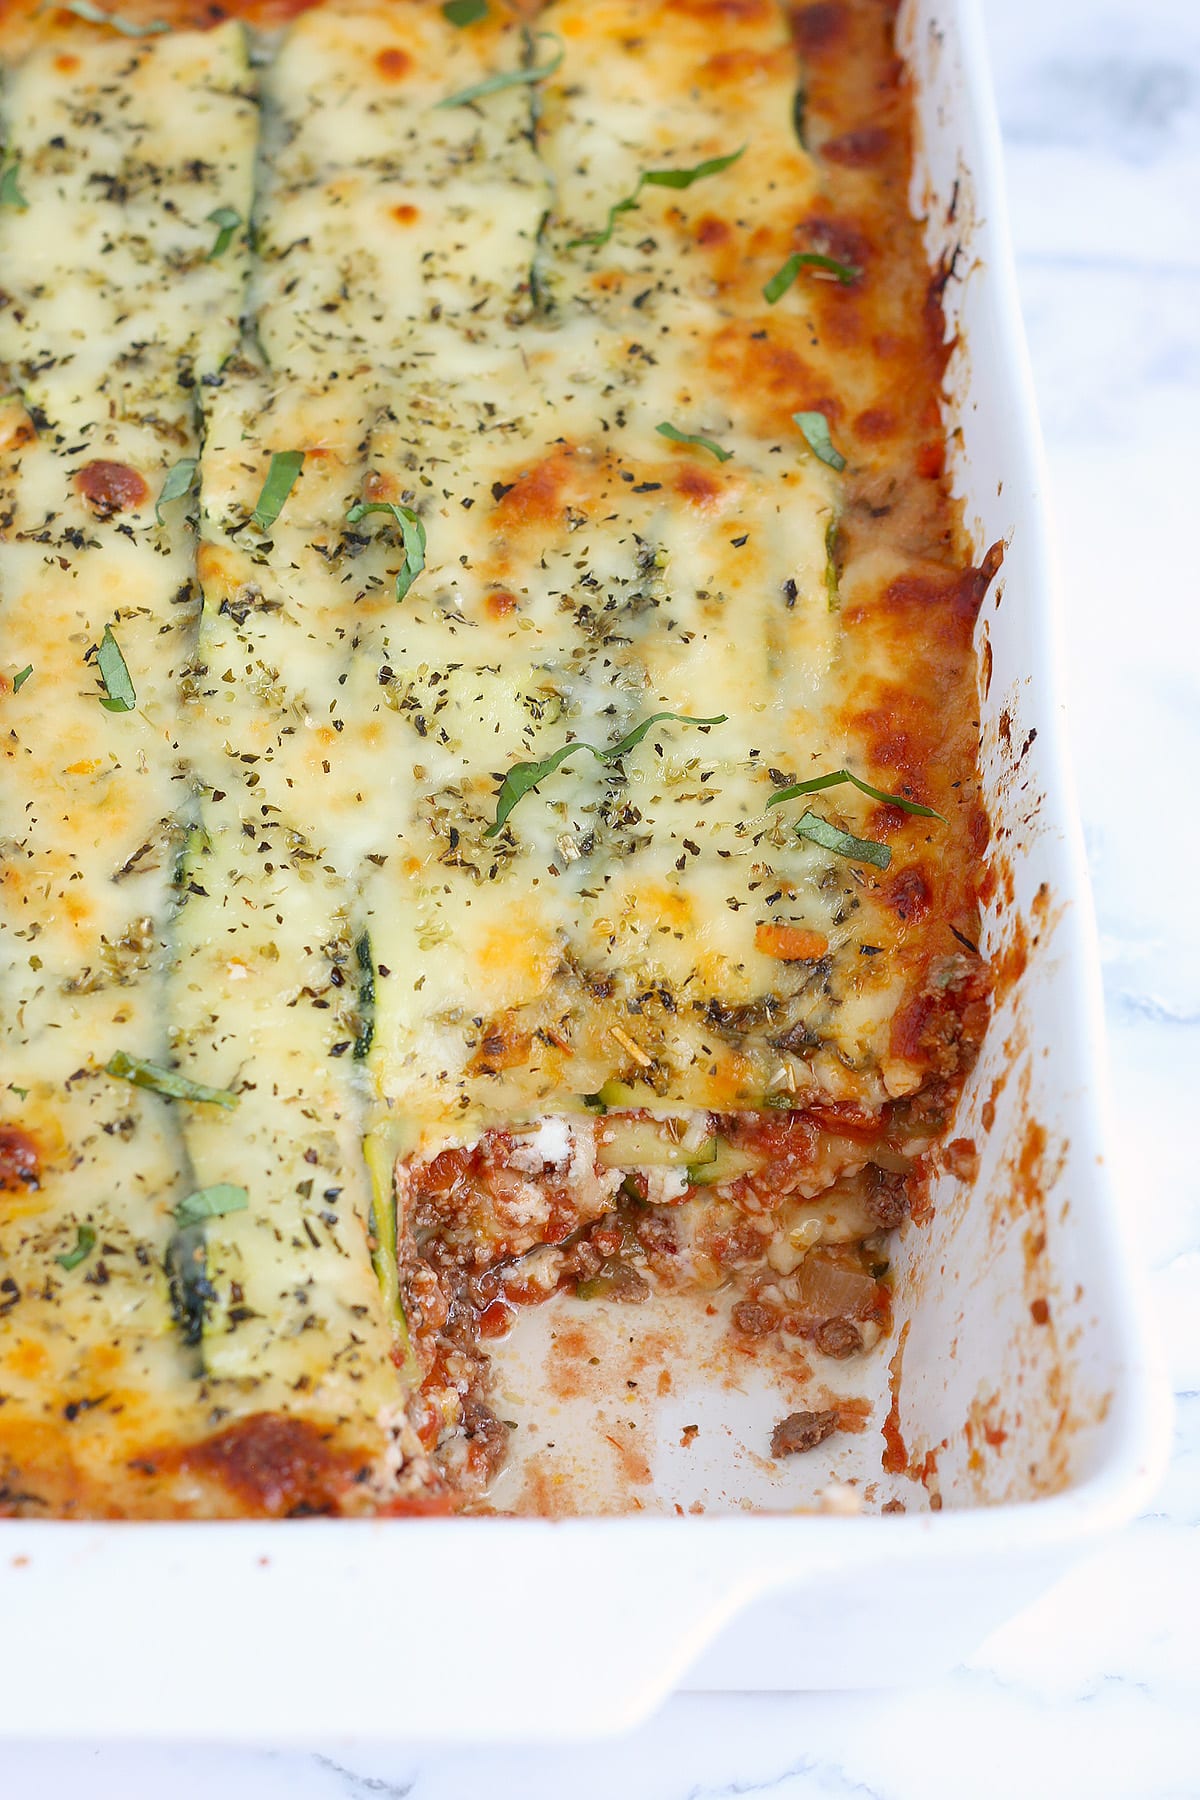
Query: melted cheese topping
[{"x": 278, "y": 875}]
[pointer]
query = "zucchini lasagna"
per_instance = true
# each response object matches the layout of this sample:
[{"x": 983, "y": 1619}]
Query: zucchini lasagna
[{"x": 491, "y": 808}]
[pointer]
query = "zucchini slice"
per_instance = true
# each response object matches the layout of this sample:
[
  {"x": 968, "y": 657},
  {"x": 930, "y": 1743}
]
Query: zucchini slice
[
  {"x": 624, "y": 1142},
  {"x": 725, "y": 1164},
  {"x": 109, "y": 312}
]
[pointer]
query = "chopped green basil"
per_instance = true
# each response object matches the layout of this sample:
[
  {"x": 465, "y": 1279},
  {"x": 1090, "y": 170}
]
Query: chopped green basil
[
  {"x": 783, "y": 277},
  {"x": 20, "y": 680},
  {"x": 118, "y": 695},
  {"x": 95, "y": 15},
  {"x": 464, "y": 12},
  {"x": 167, "y": 1082},
  {"x": 524, "y": 776},
  {"x": 211, "y": 1203},
  {"x": 281, "y": 478},
  {"x": 820, "y": 831},
  {"x": 10, "y": 187},
  {"x": 668, "y": 178},
  {"x": 839, "y": 776},
  {"x": 688, "y": 437},
  {"x": 411, "y": 530},
  {"x": 815, "y": 427},
  {"x": 226, "y": 219},
  {"x": 181, "y": 477},
  {"x": 85, "y": 1243},
  {"x": 508, "y": 78}
]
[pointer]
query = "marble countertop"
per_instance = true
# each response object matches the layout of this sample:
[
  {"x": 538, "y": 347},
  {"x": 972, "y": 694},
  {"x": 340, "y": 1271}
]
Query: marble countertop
[{"x": 1095, "y": 1690}]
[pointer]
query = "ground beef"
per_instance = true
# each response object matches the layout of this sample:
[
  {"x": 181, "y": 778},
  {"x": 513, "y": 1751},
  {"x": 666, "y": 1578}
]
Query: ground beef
[
  {"x": 617, "y": 1280},
  {"x": 941, "y": 1026},
  {"x": 658, "y": 1233},
  {"x": 731, "y": 1243},
  {"x": 583, "y": 1260},
  {"x": 838, "y": 1337},
  {"x": 752, "y": 1319},
  {"x": 487, "y": 1438},
  {"x": 887, "y": 1198},
  {"x": 802, "y": 1431}
]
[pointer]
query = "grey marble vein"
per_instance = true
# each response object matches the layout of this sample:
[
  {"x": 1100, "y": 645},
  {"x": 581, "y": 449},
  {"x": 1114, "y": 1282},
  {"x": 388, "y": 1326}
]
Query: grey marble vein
[{"x": 355, "y": 1786}]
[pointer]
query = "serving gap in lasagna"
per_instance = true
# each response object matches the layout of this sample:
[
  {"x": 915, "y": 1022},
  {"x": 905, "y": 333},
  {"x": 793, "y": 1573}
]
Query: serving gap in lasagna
[{"x": 765, "y": 1233}]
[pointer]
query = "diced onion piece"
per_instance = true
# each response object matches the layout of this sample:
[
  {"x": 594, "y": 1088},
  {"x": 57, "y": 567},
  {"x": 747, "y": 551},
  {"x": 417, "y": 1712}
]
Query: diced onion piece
[
  {"x": 826, "y": 1289},
  {"x": 884, "y": 1157}
]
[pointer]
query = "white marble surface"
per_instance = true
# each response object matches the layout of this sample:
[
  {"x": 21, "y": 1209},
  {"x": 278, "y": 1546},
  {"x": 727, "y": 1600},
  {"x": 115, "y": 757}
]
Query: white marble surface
[{"x": 1095, "y": 1690}]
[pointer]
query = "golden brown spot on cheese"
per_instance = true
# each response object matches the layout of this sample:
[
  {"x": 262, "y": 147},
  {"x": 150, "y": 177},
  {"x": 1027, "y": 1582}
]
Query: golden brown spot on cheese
[
  {"x": 20, "y": 1161},
  {"x": 16, "y": 426},
  {"x": 768, "y": 372},
  {"x": 718, "y": 12},
  {"x": 263, "y": 12},
  {"x": 76, "y": 907},
  {"x": 536, "y": 495},
  {"x": 275, "y": 1465},
  {"x": 382, "y": 486},
  {"x": 102, "y": 1359},
  {"x": 664, "y": 905},
  {"x": 111, "y": 487},
  {"x": 908, "y": 894},
  {"x": 838, "y": 237},
  {"x": 875, "y": 424},
  {"x": 712, "y": 230},
  {"x": 502, "y": 1047},
  {"x": 500, "y": 603},
  {"x": 406, "y": 213},
  {"x": 393, "y": 63},
  {"x": 735, "y": 67},
  {"x": 816, "y": 30},
  {"x": 693, "y": 483},
  {"x": 28, "y": 1359},
  {"x": 518, "y": 948},
  {"x": 858, "y": 149},
  {"x": 217, "y": 565},
  {"x": 66, "y": 64}
]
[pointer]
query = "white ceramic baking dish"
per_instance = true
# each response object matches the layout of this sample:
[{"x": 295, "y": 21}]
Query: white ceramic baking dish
[{"x": 1026, "y": 1391}]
